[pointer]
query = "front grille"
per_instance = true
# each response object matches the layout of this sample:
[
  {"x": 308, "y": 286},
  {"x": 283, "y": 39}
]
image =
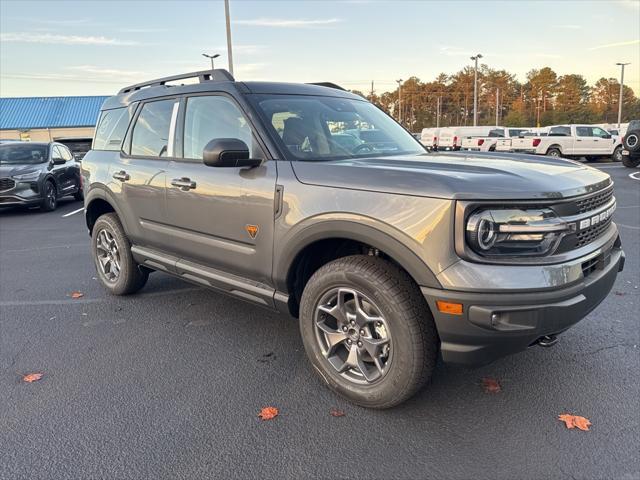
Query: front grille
[
  {"x": 591, "y": 203},
  {"x": 588, "y": 235},
  {"x": 7, "y": 183}
]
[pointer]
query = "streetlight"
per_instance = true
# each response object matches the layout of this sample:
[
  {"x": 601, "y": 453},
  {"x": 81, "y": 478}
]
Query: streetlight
[
  {"x": 228, "y": 20},
  {"x": 211, "y": 57},
  {"x": 621, "y": 65},
  {"x": 399, "y": 101},
  {"x": 475, "y": 90}
]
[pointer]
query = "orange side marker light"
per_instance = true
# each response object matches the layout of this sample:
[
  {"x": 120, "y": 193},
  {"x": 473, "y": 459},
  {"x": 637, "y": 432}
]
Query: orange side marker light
[{"x": 449, "y": 307}]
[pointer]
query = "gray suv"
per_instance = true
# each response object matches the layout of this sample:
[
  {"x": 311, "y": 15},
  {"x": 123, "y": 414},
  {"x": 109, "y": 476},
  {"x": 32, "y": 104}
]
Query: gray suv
[{"x": 310, "y": 200}]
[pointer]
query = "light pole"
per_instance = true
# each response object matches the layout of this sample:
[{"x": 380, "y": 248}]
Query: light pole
[
  {"x": 621, "y": 65},
  {"x": 475, "y": 90},
  {"x": 399, "y": 101},
  {"x": 211, "y": 57},
  {"x": 229, "y": 50}
]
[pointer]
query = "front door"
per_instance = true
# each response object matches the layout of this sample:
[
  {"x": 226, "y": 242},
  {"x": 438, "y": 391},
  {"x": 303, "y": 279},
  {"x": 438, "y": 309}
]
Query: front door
[
  {"x": 221, "y": 218},
  {"x": 584, "y": 142}
]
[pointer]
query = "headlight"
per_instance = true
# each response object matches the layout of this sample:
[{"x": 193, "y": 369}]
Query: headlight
[
  {"x": 27, "y": 177},
  {"x": 508, "y": 232}
]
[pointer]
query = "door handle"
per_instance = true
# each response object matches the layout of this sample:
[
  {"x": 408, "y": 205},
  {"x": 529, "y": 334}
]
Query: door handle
[
  {"x": 121, "y": 175},
  {"x": 578, "y": 140},
  {"x": 183, "y": 183}
]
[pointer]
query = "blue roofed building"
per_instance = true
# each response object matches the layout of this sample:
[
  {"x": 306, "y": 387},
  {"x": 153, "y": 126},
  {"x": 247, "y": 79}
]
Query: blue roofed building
[{"x": 40, "y": 119}]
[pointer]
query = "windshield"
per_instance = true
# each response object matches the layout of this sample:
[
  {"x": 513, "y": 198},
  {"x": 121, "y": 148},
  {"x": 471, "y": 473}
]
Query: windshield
[
  {"x": 326, "y": 128},
  {"x": 22, "y": 154}
]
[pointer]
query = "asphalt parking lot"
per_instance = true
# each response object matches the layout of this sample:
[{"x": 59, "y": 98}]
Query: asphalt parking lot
[{"x": 168, "y": 383}]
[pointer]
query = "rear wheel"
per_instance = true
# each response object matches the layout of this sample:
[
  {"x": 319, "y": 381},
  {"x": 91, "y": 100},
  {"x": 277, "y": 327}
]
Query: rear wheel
[
  {"x": 617, "y": 154},
  {"x": 117, "y": 270},
  {"x": 630, "y": 162},
  {"x": 368, "y": 331},
  {"x": 79, "y": 195},
  {"x": 50, "y": 197},
  {"x": 554, "y": 152}
]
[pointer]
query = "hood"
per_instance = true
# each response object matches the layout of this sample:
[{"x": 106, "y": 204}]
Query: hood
[
  {"x": 460, "y": 175},
  {"x": 11, "y": 170}
]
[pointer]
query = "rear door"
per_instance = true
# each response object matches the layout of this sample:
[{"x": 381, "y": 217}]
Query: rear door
[
  {"x": 61, "y": 171},
  {"x": 138, "y": 175},
  {"x": 585, "y": 143},
  {"x": 224, "y": 218},
  {"x": 72, "y": 170}
]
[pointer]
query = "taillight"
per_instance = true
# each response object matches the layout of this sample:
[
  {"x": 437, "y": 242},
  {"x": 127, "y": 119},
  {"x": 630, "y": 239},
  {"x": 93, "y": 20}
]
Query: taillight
[
  {"x": 480, "y": 141},
  {"x": 455, "y": 140},
  {"x": 536, "y": 142}
]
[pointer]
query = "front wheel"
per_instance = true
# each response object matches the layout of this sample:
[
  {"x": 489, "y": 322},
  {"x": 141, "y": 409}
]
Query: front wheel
[
  {"x": 117, "y": 271},
  {"x": 629, "y": 162},
  {"x": 368, "y": 331},
  {"x": 50, "y": 197}
]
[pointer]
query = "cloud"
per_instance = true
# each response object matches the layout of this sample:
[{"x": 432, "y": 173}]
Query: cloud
[
  {"x": 284, "y": 23},
  {"x": 240, "y": 49},
  {"x": 54, "y": 22},
  {"x": 454, "y": 51},
  {"x": 143, "y": 30},
  {"x": 53, "y": 39},
  {"x": 94, "y": 70},
  {"x": 617, "y": 44},
  {"x": 548, "y": 55},
  {"x": 568, "y": 27},
  {"x": 55, "y": 77}
]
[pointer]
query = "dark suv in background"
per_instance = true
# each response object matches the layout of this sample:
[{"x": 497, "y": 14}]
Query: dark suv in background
[
  {"x": 308, "y": 199},
  {"x": 37, "y": 174}
]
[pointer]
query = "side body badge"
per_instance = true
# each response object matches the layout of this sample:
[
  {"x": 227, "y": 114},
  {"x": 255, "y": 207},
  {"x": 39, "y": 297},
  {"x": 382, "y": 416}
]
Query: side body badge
[{"x": 252, "y": 230}]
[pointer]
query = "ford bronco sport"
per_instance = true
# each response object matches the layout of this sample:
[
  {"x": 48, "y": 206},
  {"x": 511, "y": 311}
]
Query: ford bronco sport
[{"x": 308, "y": 199}]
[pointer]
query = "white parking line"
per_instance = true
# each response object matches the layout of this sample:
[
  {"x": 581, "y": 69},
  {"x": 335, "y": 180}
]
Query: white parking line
[
  {"x": 634, "y": 175},
  {"x": 73, "y": 213}
]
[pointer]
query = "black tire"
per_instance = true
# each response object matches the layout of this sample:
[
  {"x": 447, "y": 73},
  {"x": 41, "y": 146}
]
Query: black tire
[
  {"x": 631, "y": 162},
  {"x": 130, "y": 277},
  {"x": 79, "y": 195},
  {"x": 49, "y": 197},
  {"x": 617, "y": 154},
  {"x": 413, "y": 344},
  {"x": 554, "y": 152}
]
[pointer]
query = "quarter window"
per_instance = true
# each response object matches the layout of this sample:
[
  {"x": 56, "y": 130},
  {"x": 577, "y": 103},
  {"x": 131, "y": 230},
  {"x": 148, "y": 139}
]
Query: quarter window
[
  {"x": 151, "y": 131},
  {"x": 112, "y": 128},
  {"x": 211, "y": 117}
]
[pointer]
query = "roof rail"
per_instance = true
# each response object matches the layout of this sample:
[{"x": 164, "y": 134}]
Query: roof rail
[
  {"x": 328, "y": 85},
  {"x": 217, "y": 75}
]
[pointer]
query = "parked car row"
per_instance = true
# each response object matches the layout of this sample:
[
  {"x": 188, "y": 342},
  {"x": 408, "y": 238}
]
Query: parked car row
[{"x": 572, "y": 141}]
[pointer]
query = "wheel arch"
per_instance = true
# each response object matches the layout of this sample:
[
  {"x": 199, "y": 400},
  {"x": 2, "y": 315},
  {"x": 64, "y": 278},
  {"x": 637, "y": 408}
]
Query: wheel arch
[
  {"x": 556, "y": 146},
  {"x": 98, "y": 202},
  {"x": 325, "y": 241}
]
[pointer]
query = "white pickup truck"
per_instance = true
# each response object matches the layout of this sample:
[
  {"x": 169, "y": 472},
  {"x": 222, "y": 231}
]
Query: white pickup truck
[
  {"x": 489, "y": 141},
  {"x": 572, "y": 141}
]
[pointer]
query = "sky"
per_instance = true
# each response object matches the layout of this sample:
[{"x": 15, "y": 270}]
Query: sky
[{"x": 97, "y": 47}]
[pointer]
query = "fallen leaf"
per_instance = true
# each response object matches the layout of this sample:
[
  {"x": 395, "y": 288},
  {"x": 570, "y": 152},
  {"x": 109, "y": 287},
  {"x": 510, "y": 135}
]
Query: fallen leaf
[
  {"x": 491, "y": 385},
  {"x": 335, "y": 412},
  {"x": 575, "y": 421},
  {"x": 32, "y": 377},
  {"x": 77, "y": 294},
  {"x": 267, "y": 413},
  {"x": 620, "y": 294}
]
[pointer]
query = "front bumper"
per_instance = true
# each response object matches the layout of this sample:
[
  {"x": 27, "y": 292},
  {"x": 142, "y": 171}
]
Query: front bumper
[
  {"x": 495, "y": 324},
  {"x": 21, "y": 194}
]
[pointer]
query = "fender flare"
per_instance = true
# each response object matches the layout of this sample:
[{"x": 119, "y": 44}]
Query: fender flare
[
  {"x": 351, "y": 230},
  {"x": 100, "y": 192}
]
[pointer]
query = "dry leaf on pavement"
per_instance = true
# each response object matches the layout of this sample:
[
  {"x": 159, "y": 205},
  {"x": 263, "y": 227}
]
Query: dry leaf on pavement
[
  {"x": 335, "y": 412},
  {"x": 267, "y": 413},
  {"x": 77, "y": 294},
  {"x": 575, "y": 421},
  {"x": 32, "y": 377},
  {"x": 491, "y": 385}
]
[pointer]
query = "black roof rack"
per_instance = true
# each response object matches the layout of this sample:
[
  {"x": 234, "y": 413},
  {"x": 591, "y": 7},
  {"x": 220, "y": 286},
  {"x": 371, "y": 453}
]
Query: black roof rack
[
  {"x": 217, "y": 75},
  {"x": 329, "y": 85}
]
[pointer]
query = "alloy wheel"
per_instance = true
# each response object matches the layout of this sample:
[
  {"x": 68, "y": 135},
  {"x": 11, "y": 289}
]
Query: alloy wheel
[
  {"x": 108, "y": 255},
  {"x": 353, "y": 335}
]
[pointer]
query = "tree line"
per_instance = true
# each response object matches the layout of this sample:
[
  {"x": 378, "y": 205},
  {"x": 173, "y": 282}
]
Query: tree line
[{"x": 546, "y": 98}]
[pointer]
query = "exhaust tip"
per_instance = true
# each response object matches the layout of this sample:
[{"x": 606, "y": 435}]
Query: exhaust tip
[{"x": 547, "y": 341}]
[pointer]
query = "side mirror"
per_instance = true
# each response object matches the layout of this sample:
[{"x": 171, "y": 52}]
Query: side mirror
[
  {"x": 59, "y": 161},
  {"x": 228, "y": 152}
]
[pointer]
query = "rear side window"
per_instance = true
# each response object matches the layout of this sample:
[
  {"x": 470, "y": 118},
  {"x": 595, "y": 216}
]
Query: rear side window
[
  {"x": 496, "y": 133},
  {"x": 584, "y": 131},
  {"x": 112, "y": 127},
  {"x": 151, "y": 131}
]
